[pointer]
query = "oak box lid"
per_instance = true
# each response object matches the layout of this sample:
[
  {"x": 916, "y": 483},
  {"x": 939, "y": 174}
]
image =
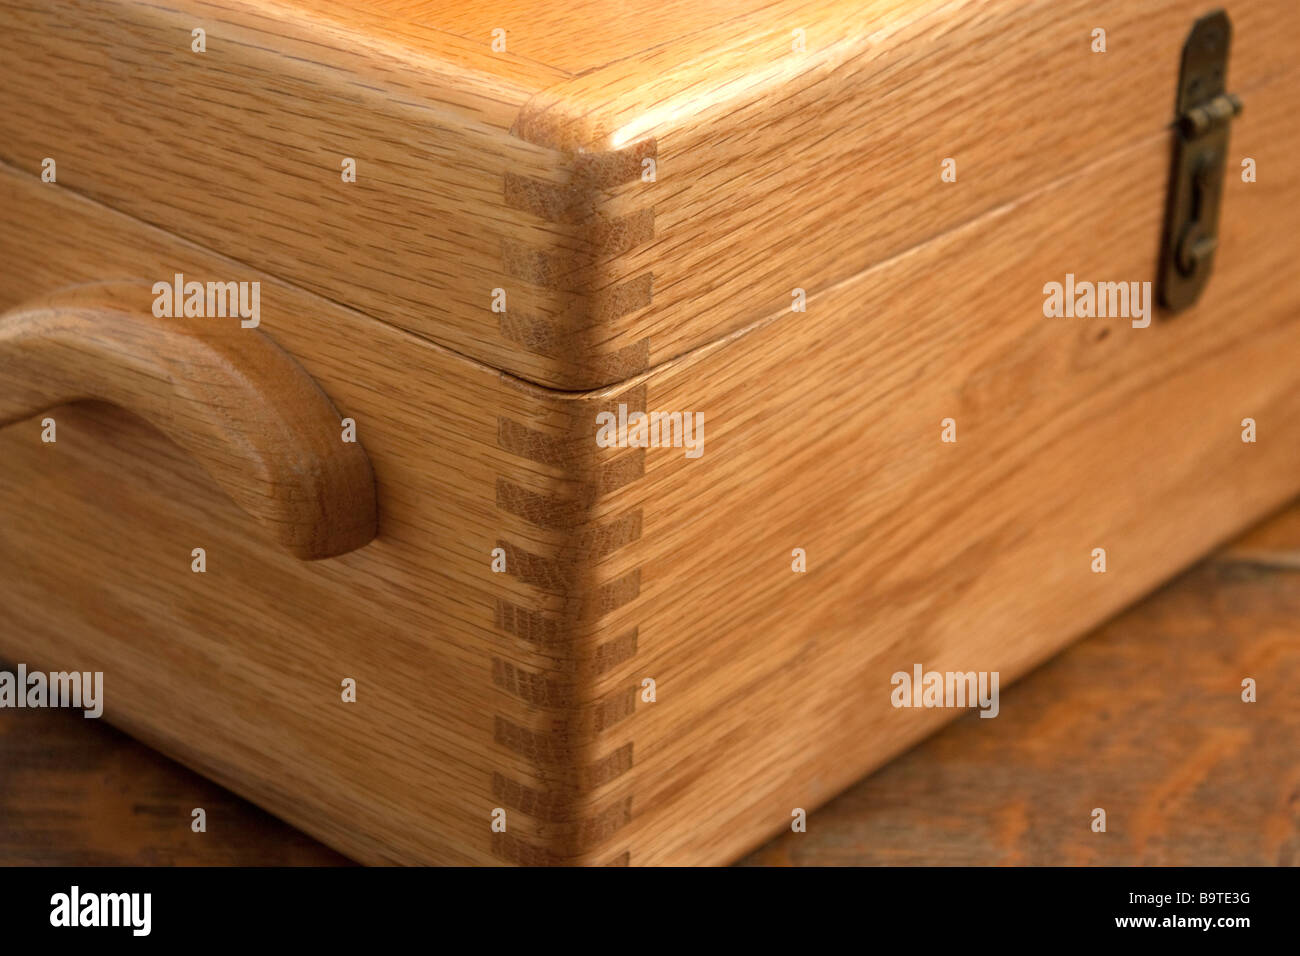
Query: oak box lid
[{"x": 574, "y": 193}]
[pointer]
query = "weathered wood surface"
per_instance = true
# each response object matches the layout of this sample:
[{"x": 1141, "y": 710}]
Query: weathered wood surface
[
  {"x": 1144, "y": 718},
  {"x": 77, "y": 792}
]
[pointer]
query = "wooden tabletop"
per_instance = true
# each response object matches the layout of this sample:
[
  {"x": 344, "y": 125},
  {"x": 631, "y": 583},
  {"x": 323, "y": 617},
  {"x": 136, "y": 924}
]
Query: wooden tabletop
[{"x": 1144, "y": 718}]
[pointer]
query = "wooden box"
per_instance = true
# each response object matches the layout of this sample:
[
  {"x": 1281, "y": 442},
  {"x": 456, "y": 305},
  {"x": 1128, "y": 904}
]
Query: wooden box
[{"x": 484, "y": 236}]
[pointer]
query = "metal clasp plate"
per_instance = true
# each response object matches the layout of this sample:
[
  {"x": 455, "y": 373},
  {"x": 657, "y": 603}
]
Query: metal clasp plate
[{"x": 1205, "y": 111}]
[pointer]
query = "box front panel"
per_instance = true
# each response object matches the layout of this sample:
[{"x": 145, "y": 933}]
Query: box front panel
[{"x": 825, "y": 432}]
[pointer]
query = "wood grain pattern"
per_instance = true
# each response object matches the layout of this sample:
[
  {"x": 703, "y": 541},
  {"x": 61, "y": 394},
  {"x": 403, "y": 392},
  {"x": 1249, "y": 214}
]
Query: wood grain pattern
[
  {"x": 237, "y": 671},
  {"x": 1073, "y": 435},
  {"x": 1144, "y": 718},
  {"x": 80, "y": 792},
  {"x": 228, "y": 395},
  {"x": 1089, "y": 724},
  {"x": 524, "y": 690},
  {"x": 828, "y": 162},
  {"x": 531, "y": 166}
]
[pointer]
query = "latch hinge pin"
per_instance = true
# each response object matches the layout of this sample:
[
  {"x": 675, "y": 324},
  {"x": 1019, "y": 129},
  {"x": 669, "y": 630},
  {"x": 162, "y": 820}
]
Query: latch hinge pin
[{"x": 1200, "y": 120}]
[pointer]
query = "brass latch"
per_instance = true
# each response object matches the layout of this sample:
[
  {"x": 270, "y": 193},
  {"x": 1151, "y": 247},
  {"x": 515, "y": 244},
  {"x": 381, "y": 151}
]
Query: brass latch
[{"x": 1205, "y": 111}]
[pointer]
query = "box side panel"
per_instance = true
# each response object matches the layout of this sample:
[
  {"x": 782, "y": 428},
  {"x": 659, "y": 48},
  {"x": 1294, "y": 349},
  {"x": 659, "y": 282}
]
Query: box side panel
[
  {"x": 798, "y": 145},
  {"x": 473, "y": 682},
  {"x": 825, "y": 432}
]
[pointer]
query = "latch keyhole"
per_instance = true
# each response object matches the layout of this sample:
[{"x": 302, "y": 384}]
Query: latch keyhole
[{"x": 1198, "y": 243}]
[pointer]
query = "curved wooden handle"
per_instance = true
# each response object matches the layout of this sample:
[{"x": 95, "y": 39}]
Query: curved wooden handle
[{"x": 229, "y": 396}]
